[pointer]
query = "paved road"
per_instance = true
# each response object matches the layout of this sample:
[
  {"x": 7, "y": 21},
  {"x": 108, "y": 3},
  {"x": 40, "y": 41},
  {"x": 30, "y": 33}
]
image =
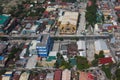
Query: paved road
[
  {"x": 82, "y": 23},
  {"x": 90, "y": 50},
  {"x": 112, "y": 8}
]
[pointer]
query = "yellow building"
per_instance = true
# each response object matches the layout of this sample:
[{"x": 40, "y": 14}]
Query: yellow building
[{"x": 68, "y": 22}]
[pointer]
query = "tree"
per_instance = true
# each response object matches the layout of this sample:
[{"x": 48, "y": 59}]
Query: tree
[
  {"x": 1, "y": 9},
  {"x": 91, "y": 14},
  {"x": 119, "y": 20},
  {"x": 117, "y": 73},
  {"x": 95, "y": 62},
  {"x": 96, "y": 56},
  {"x": 101, "y": 54},
  {"x": 108, "y": 17},
  {"x": 107, "y": 71},
  {"x": 82, "y": 63}
]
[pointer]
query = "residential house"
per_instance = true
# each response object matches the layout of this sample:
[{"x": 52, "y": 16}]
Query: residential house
[{"x": 66, "y": 74}]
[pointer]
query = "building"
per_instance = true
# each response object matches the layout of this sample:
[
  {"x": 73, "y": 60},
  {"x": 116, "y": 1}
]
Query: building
[
  {"x": 23, "y": 53},
  {"x": 43, "y": 46},
  {"x": 105, "y": 60},
  {"x": 32, "y": 48},
  {"x": 30, "y": 28},
  {"x": 7, "y": 75},
  {"x": 2, "y": 62},
  {"x": 86, "y": 76},
  {"x": 16, "y": 75},
  {"x": 50, "y": 76},
  {"x": 31, "y": 62},
  {"x": 4, "y": 20},
  {"x": 68, "y": 22},
  {"x": 66, "y": 75},
  {"x": 24, "y": 76},
  {"x": 52, "y": 56},
  {"x": 100, "y": 45},
  {"x": 72, "y": 49},
  {"x": 81, "y": 48},
  {"x": 58, "y": 75}
]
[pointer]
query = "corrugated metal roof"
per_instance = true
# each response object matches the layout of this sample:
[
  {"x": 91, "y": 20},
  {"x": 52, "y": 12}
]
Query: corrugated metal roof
[
  {"x": 100, "y": 45},
  {"x": 66, "y": 74},
  {"x": 58, "y": 75}
]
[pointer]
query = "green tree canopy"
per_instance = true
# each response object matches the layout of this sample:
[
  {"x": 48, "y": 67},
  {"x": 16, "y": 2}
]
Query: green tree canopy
[{"x": 82, "y": 63}]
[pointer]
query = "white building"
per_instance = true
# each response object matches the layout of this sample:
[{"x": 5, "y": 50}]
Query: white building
[
  {"x": 50, "y": 76},
  {"x": 24, "y": 76},
  {"x": 32, "y": 48},
  {"x": 23, "y": 53},
  {"x": 100, "y": 45},
  {"x": 81, "y": 47},
  {"x": 66, "y": 75}
]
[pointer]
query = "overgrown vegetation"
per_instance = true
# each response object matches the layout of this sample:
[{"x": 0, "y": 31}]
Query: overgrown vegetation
[{"x": 91, "y": 14}]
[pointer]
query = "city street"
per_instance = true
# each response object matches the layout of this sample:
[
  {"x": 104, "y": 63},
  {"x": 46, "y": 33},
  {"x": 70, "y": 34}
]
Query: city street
[
  {"x": 90, "y": 50},
  {"x": 82, "y": 23}
]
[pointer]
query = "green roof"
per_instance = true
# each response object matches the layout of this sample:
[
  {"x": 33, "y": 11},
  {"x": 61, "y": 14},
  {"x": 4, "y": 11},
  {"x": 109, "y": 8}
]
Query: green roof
[
  {"x": 50, "y": 58},
  {"x": 3, "y": 18},
  {"x": 73, "y": 61}
]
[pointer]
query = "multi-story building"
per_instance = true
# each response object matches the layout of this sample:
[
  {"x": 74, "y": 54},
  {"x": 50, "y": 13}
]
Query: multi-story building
[{"x": 43, "y": 46}]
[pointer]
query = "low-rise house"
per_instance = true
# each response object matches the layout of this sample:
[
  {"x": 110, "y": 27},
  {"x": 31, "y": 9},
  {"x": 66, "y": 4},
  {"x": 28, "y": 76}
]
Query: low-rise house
[
  {"x": 32, "y": 48},
  {"x": 7, "y": 75},
  {"x": 30, "y": 29},
  {"x": 16, "y": 75},
  {"x": 72, "y": 49},
  {"x": 52, "y": 56},
  {"x": 81, "y": 48},
  {"x": 2, "y": 47},
  {"x": 21, "y": 63},
  {"x": 66, "y": 74},
  {"x": 23, "y": 53},
  {"x": 3, "y": 59},
  {"x": 86, "y": 76},
  {"x": 50, "y": 76},
  {"x": 100, "y": 45},
  {"x": 58, "y": 75},
  {"x": 105, "y": 60},
  {"x": 24, "y": 76},
  {"x": 4, "y": 20}
]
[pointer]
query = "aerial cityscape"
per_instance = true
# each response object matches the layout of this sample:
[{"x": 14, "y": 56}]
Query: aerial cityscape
[{"x": 59, "y": 39}]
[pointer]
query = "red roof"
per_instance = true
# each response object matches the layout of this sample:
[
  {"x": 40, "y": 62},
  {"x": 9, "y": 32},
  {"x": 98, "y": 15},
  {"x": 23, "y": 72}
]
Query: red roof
[
  {"x": 111, "y": 27},
  {"x": 90, "y": 76},
  {"x": 105, "y": 60},
  {"x": 58, "y": 75},
  {"x": 89, "y": 3}
]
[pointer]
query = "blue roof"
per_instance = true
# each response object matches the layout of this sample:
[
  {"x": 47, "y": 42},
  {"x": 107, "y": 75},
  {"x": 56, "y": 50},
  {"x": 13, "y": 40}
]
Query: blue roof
[
  {"x": 8, "y": 74},
  {"x": 1, "y": 57}
]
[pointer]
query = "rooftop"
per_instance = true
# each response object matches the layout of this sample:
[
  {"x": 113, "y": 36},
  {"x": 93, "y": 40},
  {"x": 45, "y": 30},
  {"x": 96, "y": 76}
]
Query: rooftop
[
  {"x": 43, "y": 40},
  {"x": 3, "y": 18},
  {"x": 58, "y": 75},
  {"x": 105, "y": 60},
  {"x": 86, "y": 76},
  {"x": 24, "y": 76}
]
